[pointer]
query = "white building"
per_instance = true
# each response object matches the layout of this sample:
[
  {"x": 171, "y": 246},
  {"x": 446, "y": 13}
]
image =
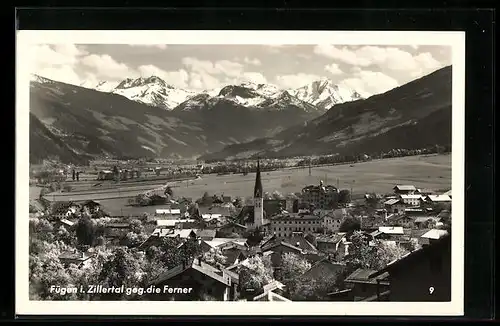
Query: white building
[{"x": 411, "y": 200}]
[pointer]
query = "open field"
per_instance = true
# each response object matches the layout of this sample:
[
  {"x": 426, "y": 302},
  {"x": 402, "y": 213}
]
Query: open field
[{"x": 430, "y": 172}]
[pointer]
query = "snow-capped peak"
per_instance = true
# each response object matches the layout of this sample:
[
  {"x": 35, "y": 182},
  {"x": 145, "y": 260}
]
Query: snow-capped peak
[
  {"x": 324, "y": 93},
  {"x": 150, "y": 90},
  {"x": 40, "y": 79}
]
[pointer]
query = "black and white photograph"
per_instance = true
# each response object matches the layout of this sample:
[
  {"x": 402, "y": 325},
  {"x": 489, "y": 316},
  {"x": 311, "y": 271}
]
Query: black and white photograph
[{"x": 159, "y": 169}]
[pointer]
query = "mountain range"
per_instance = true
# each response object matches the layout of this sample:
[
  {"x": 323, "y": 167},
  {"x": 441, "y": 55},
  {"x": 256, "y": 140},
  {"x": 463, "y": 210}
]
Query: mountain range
[
  {"x": 414, "y": 115},
  {"x": 146, "y": 117},
  {"x": 154, "y": 91}
]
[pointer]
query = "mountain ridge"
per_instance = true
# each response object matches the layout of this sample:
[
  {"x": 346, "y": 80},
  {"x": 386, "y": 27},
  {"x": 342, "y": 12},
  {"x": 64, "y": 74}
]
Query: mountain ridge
[{"x": 383, "y": 121}]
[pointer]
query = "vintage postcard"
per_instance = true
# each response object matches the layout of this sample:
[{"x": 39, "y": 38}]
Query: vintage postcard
[{"x": 289, "y": 172}]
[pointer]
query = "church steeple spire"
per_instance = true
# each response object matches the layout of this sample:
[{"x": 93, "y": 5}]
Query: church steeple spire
[{"x": 257, "y": 192}]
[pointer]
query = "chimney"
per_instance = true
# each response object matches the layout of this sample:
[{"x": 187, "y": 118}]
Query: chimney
[{"x": 199, "y": 260}]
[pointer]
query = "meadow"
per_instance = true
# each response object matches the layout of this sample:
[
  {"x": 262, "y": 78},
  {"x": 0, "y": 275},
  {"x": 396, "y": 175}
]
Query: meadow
[{"x": 429, "y": 172}]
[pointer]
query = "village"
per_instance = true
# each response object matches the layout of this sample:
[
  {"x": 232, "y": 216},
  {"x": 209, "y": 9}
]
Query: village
[{"x": 318, "y": 244}]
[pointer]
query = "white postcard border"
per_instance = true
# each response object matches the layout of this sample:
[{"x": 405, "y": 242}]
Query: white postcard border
[{"x": 25, "y": 38}]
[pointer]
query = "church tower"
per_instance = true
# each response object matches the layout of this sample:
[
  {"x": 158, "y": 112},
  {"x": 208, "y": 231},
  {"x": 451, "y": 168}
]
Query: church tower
[{"x": 258, "y": 200}]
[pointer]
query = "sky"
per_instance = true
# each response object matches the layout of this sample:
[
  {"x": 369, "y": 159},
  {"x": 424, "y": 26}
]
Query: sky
[{"x": 368, "y": 69}]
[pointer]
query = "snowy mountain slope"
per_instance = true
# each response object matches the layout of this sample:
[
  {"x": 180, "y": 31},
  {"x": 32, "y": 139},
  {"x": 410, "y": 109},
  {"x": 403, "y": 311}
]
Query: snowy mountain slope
[
  {"x": 324, "y": 94},
  {"x": 152, "y": 91}
]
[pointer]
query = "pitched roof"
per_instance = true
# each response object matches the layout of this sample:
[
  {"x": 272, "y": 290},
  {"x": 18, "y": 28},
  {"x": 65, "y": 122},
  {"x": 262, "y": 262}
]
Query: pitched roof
[
  {"x": 324, "y": 267},
  {"x": 441, "y": 243},
  {"x": 438, "y": 198},
  {"x": 411, "y": 196},
  {"x": 334, "y": 238},
  {"x": 199, "y": 266},
  {"x": 270, "y": 296},
  {"x": 215, "y": 209},
  {"x": 391, "y": 229},
  {"x": 392, "y": 201},
  {"x": 300, "y": 242},
  {"x": 434, "y": 234},
  {"x": 233, "y": 224},
  {"x": 405, "y": 187},
  {"x": 67, "y": 222},
  {"x": 422, "y": 219},
  {"x": 362, "y": 275},
  {"x": 280, "y": 243},
  {"x": 232, "y": 254},
  {"x": 206, "y": 233}
]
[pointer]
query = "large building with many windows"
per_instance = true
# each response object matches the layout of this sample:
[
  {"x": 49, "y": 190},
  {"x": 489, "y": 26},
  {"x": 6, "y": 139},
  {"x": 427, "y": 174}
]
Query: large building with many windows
[
  {"x": 321, "y": 196},
  {"x": 284, "y": 225}
]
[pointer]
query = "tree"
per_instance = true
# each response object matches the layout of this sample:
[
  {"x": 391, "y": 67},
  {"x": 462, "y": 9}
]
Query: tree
[
  {"x": 350, "y": 224},
  {"x": 344, "y": 196},
  {"x": 375, "y": 256},
  {"x": 123, "y": 268},
  {"x": 169, "y": 192},
  {"x": 277, "y": 195},
  {"x": 292, "y": 267},
  {"x": 314, "y": 289},
  {"x": 214, "y": 257},
  {"x": 86, "y": 231},
  {"x": 238, "y": 201},
  {"x": 255, "y": 273},
  {"x": 372, "y": 200}
]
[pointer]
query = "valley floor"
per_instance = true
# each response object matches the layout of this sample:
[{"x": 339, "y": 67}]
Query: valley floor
[{"x": 429, "y": 172}]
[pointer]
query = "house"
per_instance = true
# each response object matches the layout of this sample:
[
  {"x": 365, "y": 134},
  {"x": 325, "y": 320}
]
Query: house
[
  {"x": 284, "y": 224},
  {"x": 206, "y": 234},
  {"x": 411, "y": 200},
  {"x": 436, "y": 199},
  {"x": 404, "y": 189},
  {"x": 168, "y": 213},
  {"x": 192, "y": 280},
  {"x": 105, "y": 175},
  {"x": 233, "y": 228},
  {"x": 66, "y": 210},
  {"x": 299, "y": 240},
  {"x": 279, "y": 248},
  {"x": 401, "y": 220},
  {"x": 335, "y": 244},
  {"x": 371, "y": 223},
  {"x": 323, "y": 268},
  {"x": 234, "y": 255},
  {"x": 90, "y": 206},
  {"x": 183, "y": 234},
  {"x": 320, "y": 196},
  {"x": 224, "y": 211},
  {"x": 425, "y": 222},
  {"x": 364, "y": 286},
  {"x": 432, "y": 236},
  {"x": 448, "y": 193},
  {"x": 270, "y": 296},
  {"x": 74, "y": 257},
  {"x": 222, "y": 243},
  {"x": 415, "y": 211},
  {"x": 116, "y": 231},
  {"x": 394, "y": 205},
  {"x": 180, "y": 224},
  {"x": 274, "y": 206},
  {"x": 67, "y": 224},
  {"x": 272, "y": 292},
  {"x": 333, "y": 219},
  {"x": 415, "y": 274}
]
